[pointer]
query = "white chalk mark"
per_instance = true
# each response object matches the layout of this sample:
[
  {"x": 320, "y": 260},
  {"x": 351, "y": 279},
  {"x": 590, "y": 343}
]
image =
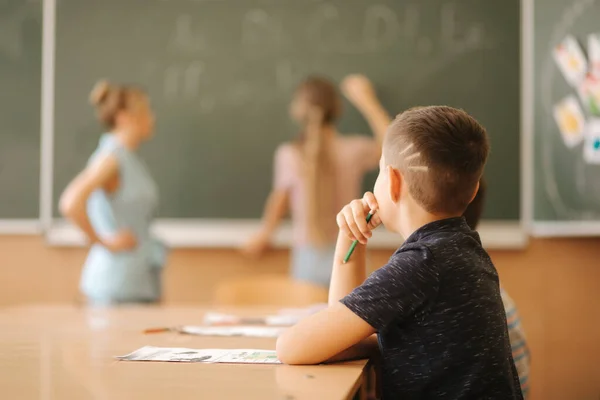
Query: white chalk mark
[
  {"x": 569, "y": 16},
  {"x": 326, "y": 16},
  {"x": 11, "y": 33},
  {"x": 329, "y": 11},
  {"x": 448, "y": 24},
  {"x": 578, "y": 8},
  {"x": 183, "y": 81},
  {"x": 381, "y": 27},
  {"x": 184, "y": 38},
  {"x": 475, "y": 38},
  {"x": 258, "y": 28},
  {"x": 191, "y": 79},
  {"x": 472, "y": 40},
  {"x": 412, "y": 20}
]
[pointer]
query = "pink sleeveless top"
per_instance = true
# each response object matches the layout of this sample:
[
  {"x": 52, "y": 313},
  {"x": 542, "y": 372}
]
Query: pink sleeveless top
[{"x": 354, "y": 157}]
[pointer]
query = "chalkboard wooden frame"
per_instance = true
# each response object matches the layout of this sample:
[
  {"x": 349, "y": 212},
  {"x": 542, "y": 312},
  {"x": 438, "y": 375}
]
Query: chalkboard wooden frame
[{"x": 232, "y": 233}]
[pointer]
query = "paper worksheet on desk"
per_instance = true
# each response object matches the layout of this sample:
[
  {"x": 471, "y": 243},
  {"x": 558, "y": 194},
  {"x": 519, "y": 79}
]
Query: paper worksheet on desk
[
  {"x": 285, "y": 317},
  {"x": 248, "y": 331},
  {"x": 230, "y": 356},
  {"x": 271, "y": 320}
]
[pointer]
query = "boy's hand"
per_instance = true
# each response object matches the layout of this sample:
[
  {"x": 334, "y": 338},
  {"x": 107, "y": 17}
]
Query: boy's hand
[{"x": 352, "y": 220}]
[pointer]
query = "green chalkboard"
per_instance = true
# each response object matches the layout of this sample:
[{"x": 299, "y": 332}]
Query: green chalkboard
[
  {"x": 221, "y": 73},
  {"x": 20, "y": 74},
  {"x": 566, "y": 187}
]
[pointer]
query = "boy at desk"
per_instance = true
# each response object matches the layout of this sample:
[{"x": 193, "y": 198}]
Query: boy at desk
[{"x": 436, "y": 305}]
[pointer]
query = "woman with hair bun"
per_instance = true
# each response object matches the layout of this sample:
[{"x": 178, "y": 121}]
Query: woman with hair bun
[{"x": 114, "y": 200}]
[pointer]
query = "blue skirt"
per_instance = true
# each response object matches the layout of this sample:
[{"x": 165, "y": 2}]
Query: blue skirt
[{"x": 313, "y": 264}]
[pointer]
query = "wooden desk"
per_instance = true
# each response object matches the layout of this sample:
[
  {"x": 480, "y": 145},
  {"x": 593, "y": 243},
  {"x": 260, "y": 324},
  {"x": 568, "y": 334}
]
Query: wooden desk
[{"x": 65, "y": 352}]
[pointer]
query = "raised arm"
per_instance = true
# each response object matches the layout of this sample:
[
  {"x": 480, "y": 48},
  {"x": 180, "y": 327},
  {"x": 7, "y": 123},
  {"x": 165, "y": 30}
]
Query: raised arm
[{"x": 359, "y": 90}]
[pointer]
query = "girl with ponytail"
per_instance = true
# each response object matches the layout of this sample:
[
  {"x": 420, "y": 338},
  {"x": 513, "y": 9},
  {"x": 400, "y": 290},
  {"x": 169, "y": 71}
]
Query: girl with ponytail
[{"x": 319, "y": 172}]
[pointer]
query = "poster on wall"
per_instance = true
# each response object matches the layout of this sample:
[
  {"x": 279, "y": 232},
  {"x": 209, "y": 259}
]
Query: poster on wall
[{"x": 578, "y": 117}]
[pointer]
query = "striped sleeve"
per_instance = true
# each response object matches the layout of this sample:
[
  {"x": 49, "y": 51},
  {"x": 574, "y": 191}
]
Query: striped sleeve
[{"x": 518, "y": 342}]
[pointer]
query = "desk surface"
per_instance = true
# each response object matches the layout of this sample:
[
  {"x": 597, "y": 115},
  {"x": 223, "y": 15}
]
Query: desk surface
[{"x": 66, "y": 352}]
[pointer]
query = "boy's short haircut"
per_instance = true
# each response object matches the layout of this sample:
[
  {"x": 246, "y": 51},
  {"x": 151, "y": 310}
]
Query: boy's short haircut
[
  {"x": 474, "y": 210},
  {"x": 441, "y": 152}
]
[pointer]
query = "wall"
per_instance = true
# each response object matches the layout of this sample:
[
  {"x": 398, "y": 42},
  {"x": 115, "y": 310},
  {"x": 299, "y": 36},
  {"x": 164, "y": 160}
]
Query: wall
[{"x": 554, "y": 282}]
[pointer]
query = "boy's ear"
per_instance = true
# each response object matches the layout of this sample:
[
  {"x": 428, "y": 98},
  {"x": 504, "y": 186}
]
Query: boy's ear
[{"x": 395, "y": 181}]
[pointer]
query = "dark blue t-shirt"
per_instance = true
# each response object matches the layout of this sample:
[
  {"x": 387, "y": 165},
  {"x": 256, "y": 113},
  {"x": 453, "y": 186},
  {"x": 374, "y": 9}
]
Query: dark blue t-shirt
[{"x": 437, "y": 308}]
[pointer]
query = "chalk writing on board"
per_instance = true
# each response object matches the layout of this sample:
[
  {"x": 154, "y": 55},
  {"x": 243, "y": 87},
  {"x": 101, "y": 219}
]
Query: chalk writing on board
[
  {"x": 412, "y": 19},
  {"x": 381, "y": 27},
  {"x": 260, "y": 29},
  {"x": 183, "y": 81},
  {"x": 11, "y": 32},
  {"x": 330, "y": 29},
  {"x": 324, "y": 26},
  {"x": 472, "y": 37},
  {"x": 184, "y": 38}
]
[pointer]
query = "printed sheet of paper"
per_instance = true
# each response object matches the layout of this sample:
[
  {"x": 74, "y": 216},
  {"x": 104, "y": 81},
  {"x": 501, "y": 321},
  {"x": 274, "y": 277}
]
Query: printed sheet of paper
[
  {"x": 270, "y": 320},
  {"x": 571, "y": 121},
  {"x": 571, "y": 61},
  {"x": 589, "y": 93},
  {"x": 213, "y": 318},
  {"x": 249, "y": 331},
  {"x": 285, "y": 317},
  {"x": 594, "y": 54},
  {"x": 591, "y": 146},
  {"x": 233, "y": 356}
]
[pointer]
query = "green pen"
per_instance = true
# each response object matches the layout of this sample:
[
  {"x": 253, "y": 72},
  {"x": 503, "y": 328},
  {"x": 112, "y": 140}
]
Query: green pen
[{"x": 351, "y": 249}]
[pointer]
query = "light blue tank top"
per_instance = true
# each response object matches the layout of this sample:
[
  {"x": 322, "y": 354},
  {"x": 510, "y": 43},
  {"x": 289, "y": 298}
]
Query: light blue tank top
[{"x": 129, "y": 276}]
